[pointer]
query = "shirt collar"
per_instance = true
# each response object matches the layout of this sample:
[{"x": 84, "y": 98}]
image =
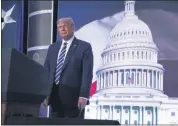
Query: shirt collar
[{"x": 68, "y": 41}]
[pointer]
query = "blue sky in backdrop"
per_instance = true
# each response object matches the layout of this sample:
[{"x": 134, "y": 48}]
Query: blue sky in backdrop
[{"x": 84, "y": 12}]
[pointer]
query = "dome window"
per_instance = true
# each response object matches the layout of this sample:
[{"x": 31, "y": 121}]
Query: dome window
[
  {"x": 110, "y": 57},
  {"x": 137, "y": 54},
  {"x": 114, "y": 57},
  {"x": 121, "y": 34},
  {"x": 127, "y": 55},
  {"x": 140, "y": 32},
  {"x": 124, "y": 33},
  {"x": 132, "y": 54},
  {"x": 150, "y": 56},
  {"x": 132, "y": 32},
  {"x": 118, "y": 56},
  {"x": 123, "y": 55},
  {"x": 142, "y": 54},
  {"x": 136, "y": 32}
]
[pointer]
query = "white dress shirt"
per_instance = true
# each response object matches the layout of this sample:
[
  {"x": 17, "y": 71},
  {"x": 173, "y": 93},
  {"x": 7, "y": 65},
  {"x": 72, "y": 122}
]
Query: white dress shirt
[{"x": 69, "y": 42}]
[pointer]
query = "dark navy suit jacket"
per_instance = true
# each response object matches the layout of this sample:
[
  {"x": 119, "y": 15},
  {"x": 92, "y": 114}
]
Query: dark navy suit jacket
[{"x": 77, "y": 71}]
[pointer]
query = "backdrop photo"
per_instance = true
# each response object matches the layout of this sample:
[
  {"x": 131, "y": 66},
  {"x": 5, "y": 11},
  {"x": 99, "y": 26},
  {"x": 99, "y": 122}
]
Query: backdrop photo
[
  {"x": 96, "y": 22},
  {"x": 135, "y": 47}
]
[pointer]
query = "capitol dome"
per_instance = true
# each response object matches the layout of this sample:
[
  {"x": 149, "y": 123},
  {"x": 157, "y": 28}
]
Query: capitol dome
[
  {"x": 131, "y": 58},
  {"x": 131, "y": 27}
]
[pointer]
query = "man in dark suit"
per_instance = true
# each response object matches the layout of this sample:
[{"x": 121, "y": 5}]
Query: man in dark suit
[{"x": 70, "y": 64}]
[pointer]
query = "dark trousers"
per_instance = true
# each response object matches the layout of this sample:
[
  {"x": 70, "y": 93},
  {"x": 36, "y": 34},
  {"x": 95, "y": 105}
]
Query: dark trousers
[{"x": 61, "y": 110}]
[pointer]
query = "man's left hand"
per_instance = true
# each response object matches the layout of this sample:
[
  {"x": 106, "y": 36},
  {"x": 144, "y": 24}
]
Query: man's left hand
[{"x": 82, "y": 102}]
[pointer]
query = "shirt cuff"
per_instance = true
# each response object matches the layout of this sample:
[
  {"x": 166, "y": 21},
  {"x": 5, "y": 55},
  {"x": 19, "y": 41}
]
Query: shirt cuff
[{"x": 84, "y": 98}]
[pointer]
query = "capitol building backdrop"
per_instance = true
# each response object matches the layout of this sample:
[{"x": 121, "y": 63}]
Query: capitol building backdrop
[{"x": 130, "y": 80}]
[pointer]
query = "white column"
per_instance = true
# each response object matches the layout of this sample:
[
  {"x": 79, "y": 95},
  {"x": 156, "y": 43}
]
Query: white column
[
  {"x": 145, "y": 76},
  {"x": 103, "y": 79},
  {"x": 144, "y": 79},
  {"x": 152, "y": 78},
  {"x": 144, "y": 115},
  {"x": 142, "y": 75},
  {"x": 119, "y": 78},
  {"x": 104, "y": 84},
  {"x": 108, "y": 78},
  {"x": 100, "y": 81},
  {"x": 140, "y": 113},
  {"x": 111, "y": 78},
  {"x": 110, "y": 112},
  {"x": 122, "y": 115},
  {"x": 132, "y": 72},
  {"x": 162, "y": 75},
  {"x": 98, "y": 112},
  {"x": 156, "y": 80},
  {"x": 99, "y": 87},
  {"x": 130, "y": 55},
  {"x": 130, "y": 76},
  {"x": 148, "y": 78},
  {"x": 101, "y": 111},
  {"x": 112, "y": 57},
  {"x": 131, "y": 115},
  {"x": 140, "y": 78},
  {"x": 159, "y": 80},
  {"x": 135, "y": 77},
  {"x": 154, "y": 115},
  {"x": 124, "y": 77},
  {"x": 114, "y": 79}
]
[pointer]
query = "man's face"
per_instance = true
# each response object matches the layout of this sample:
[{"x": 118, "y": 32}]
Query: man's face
[{"x": 65, "y": 30}]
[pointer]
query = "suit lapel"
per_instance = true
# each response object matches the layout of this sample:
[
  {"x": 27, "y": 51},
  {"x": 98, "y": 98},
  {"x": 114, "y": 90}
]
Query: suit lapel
[{"x": 70, "y": 52}]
